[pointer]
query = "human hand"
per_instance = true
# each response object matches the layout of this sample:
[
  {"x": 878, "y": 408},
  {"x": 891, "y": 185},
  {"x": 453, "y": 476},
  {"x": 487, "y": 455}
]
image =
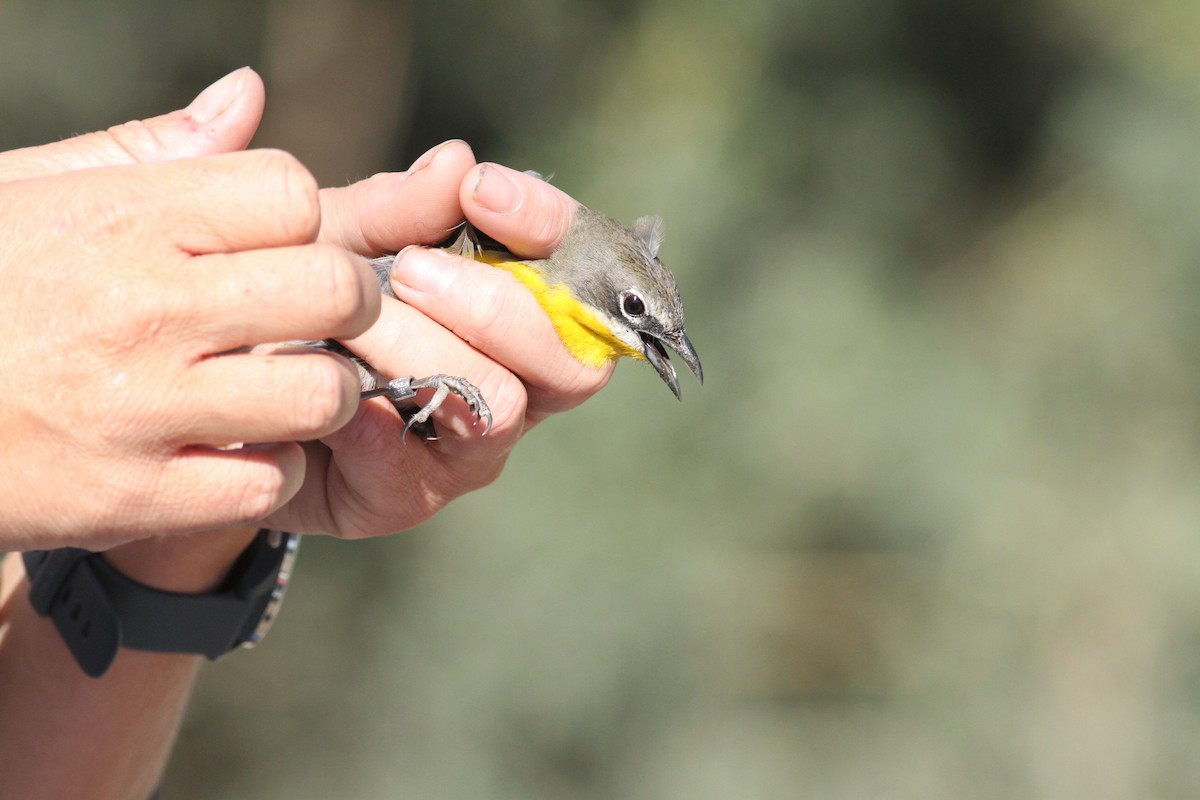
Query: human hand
[
  {"x": 222, "y": 119},
  {"x": 384, "y": 213},
  {"x": 119, "y": 390},
  {"x": 453, "y": 316}
]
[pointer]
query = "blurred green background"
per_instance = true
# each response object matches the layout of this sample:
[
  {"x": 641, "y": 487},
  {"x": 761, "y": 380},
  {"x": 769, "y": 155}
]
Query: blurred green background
[{"x": 930, "y": 529}]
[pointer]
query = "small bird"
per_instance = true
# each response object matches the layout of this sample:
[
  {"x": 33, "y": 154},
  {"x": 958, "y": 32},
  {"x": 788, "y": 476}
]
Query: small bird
[{"x": 605, "y": 290}]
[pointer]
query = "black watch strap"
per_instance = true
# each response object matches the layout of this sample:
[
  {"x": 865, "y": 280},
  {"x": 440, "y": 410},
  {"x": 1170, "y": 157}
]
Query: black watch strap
[{"x": 97, "y": 610}]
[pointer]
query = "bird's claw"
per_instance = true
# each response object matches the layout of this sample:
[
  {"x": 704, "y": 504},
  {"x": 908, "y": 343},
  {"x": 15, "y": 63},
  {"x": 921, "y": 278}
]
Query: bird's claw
[{"x": 401, "y": 391}]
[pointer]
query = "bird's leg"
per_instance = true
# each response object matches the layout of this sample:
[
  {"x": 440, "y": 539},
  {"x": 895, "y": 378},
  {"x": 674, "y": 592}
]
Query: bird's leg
[{"x": 402, "y": 391}]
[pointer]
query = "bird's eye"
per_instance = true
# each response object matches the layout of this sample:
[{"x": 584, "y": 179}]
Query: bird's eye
[{"x": 632, "y": 305}]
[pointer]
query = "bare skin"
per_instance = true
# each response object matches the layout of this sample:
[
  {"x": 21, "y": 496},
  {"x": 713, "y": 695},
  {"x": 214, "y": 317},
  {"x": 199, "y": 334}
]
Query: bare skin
[{"x": 141, "y": 438}]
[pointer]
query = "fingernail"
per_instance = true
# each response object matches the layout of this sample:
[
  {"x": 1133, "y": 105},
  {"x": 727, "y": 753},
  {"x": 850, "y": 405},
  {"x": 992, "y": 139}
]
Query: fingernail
[
  {"x": 423, "y": 270},
  {"x": 429, "y": 155},
  {"x": 217, "y": 98},
  {"x": 496, "y": 191}
]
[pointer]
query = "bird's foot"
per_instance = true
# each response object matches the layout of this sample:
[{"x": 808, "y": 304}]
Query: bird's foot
[{"x": 403, "y": 391}]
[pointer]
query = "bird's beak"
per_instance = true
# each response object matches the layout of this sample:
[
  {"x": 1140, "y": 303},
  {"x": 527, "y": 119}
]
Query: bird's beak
[{"x": 655, "y": 352}]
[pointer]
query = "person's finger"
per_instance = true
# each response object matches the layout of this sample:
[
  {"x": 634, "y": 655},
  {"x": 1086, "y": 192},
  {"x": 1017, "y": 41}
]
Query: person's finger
[
  {"x": 391, "y": 210},
  {"x": 220, "y": 203},
  {"x": 195, "y": 488},
  {"x": 372, "y": 454},
  {"x": 500, "y": 317},
  {"x": 310, "y": 394},
  {"x": 221, "y": 247},
  {"x": 281, "y": 294},
  {"x": 528, "y": 215},
  {"x": 407, "y": 342},
  {"x": 237, "y": 486},
  {"x": 222, "y": 118}
]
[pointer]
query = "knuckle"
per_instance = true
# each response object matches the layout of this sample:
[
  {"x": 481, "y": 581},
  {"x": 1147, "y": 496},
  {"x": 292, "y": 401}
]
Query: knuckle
[
  {"x": 507, "y": 397},
  {"x": 139, "y": 319},
  {"x": 325, "y": 400},
  {"x": 490, "y": 311},
  {"x": 551, "y": 217},
  {"x": 139, "y": 141},
  {"x": 124, "y": 421},
  {"x": 299, "y": 193},
  {"x": 577, "y": 382},
  {"x": 555, "y": 217},
  {"x": 261, "y": 494},
  {"x": 337, "y": 286},
  {"x": 345, "y": 283},
  {"x": 101, "y": 208}
]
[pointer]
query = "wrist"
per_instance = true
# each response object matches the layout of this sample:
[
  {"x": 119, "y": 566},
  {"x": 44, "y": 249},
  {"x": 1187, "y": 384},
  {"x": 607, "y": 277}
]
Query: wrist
[
  {"x": 192, "y": 563},
  {"x": 202, "y": 604}
]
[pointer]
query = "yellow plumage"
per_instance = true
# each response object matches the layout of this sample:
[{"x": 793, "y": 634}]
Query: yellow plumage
[
  {"x": 604, "y": 289},
  {"x": 584, "y": 333}
]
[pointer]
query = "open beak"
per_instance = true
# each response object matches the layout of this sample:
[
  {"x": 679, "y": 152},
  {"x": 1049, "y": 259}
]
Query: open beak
[{"x": 655, "y": 352}]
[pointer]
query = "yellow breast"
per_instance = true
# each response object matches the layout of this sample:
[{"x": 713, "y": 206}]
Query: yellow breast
[{"x": 585, "y": 334}]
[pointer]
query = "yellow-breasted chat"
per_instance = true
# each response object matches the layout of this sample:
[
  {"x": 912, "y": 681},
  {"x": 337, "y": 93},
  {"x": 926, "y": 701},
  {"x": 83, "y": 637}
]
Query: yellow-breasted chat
[{"x": 605, "y": 290}]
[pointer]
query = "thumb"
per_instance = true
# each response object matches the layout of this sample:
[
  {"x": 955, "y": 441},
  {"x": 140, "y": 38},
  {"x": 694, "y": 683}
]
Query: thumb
[{"x": 221, "y": 119}]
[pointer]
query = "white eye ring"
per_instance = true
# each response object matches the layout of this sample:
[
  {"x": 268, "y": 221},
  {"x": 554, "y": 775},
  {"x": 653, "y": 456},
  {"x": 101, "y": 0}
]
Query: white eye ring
[{"x": 632, "y": 304}]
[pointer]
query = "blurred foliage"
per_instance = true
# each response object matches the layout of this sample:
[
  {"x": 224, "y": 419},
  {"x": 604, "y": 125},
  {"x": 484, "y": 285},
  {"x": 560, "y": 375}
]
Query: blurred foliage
[{"x": 929, "y": 530}]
